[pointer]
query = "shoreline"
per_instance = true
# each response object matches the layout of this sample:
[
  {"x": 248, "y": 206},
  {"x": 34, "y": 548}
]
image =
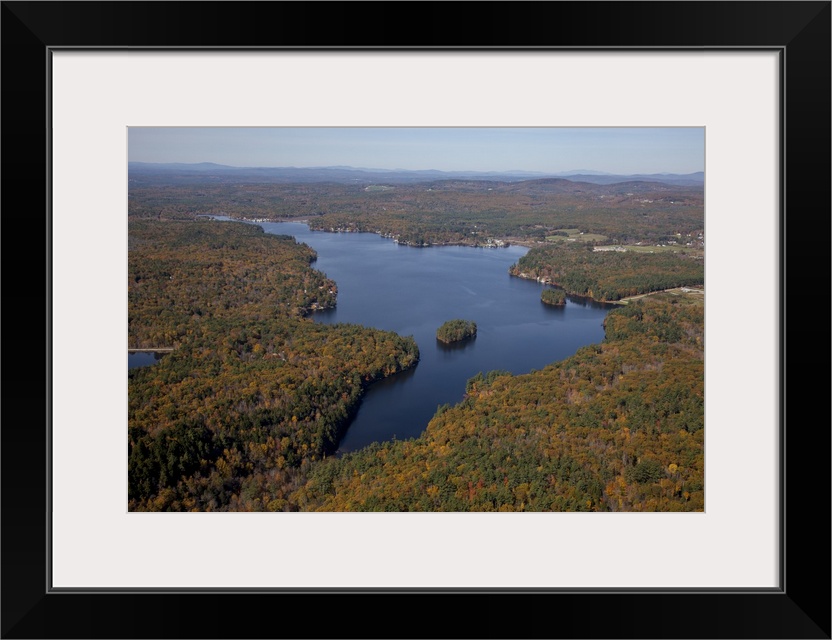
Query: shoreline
[
  {"x": 505, "y": 243},
  {"x": 683, "y": 290},
  {"x": 495, "y": 243}
]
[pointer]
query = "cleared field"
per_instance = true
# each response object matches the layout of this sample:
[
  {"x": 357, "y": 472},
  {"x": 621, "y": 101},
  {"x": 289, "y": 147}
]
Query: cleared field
[
  {"x": 575, "y": 235},
  {"x": 639, "y": 248},
  {"x": 693, "y": 292}
]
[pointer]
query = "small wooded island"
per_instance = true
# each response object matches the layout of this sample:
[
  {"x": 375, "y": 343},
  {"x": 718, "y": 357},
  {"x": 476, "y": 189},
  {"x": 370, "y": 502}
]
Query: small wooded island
[
  {"x": 555, "y": 297},
  {"x": 456, "y": 330}
]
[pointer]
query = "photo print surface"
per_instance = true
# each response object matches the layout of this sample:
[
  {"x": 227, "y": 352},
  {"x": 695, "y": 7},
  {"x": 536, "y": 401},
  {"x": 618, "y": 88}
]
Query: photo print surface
[{"x": 416, "y": 319}]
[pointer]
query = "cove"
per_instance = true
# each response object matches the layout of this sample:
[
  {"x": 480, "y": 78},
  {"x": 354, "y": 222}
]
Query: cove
[
  {"x": 412, "y": 291},
  {"x": 143, "y": 359}
]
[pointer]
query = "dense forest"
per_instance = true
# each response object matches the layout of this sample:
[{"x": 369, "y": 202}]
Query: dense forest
[
  {"x": 608, "y": 275},
  {"x": 617, "y": 427},
  {"x": 456, "y": 330},
  {"x": 253, "y": 392},
  {"x": 443, "y": 211},
  {"x": 554, "y": 297}
]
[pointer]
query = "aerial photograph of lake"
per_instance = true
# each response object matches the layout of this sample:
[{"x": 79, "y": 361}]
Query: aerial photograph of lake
[{"x": 416, "y": 319}]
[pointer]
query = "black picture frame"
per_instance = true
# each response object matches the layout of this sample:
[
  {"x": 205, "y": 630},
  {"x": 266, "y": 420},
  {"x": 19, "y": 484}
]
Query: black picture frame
[{"x": 799, "y": 31}]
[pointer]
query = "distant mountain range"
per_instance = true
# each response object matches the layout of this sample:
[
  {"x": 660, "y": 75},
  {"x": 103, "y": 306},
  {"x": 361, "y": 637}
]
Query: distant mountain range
[
  {"x": 183, "y": 173},
  {"x": 679, "y": 179}
]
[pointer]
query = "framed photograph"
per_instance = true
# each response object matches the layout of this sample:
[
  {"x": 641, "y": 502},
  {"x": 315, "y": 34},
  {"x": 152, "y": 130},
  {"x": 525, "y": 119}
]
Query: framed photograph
[{"x": 754, "y": 77}]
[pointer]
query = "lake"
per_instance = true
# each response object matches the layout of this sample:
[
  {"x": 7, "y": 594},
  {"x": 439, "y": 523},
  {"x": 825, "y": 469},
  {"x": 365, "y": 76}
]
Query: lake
[
  {"x": 143, "y": 358},
  {"x": 412, "y": 291}
]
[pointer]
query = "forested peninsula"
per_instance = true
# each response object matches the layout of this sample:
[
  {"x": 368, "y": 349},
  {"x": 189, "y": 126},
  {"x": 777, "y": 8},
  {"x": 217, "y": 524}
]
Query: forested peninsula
[
  {"x": 608, "y": 275},
  {"x": 254, "y": 392}
]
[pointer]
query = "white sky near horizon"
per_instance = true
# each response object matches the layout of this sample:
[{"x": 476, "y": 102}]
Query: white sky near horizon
[{"x": 633, "y": 150}]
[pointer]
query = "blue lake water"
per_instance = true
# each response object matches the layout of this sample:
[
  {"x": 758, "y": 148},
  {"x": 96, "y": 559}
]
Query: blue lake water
[
  {"x": 142, "y": 359},
  {"x": 412, "y": 291}
]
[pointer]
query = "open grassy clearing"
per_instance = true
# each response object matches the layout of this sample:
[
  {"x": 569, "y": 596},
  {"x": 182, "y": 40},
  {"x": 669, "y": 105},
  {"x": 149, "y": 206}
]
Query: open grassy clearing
[
  {"x": 575, "y": 235},
  {"x": 691, "y": 292},
  {"x": 677, "y": 248}
]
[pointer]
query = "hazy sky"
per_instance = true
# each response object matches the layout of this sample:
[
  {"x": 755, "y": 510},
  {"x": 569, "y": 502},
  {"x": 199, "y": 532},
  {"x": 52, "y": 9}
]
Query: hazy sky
[{"x": 551, "y": 150}]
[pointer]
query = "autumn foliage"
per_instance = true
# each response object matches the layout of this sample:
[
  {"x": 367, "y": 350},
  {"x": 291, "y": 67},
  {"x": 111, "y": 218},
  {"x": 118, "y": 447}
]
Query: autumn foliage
[
  {"x": 617, "y": 427},
  {"x": 247, "y": 410},
  {"x": 608, "y": 275},
  {"x": 254, "y": 392}
]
